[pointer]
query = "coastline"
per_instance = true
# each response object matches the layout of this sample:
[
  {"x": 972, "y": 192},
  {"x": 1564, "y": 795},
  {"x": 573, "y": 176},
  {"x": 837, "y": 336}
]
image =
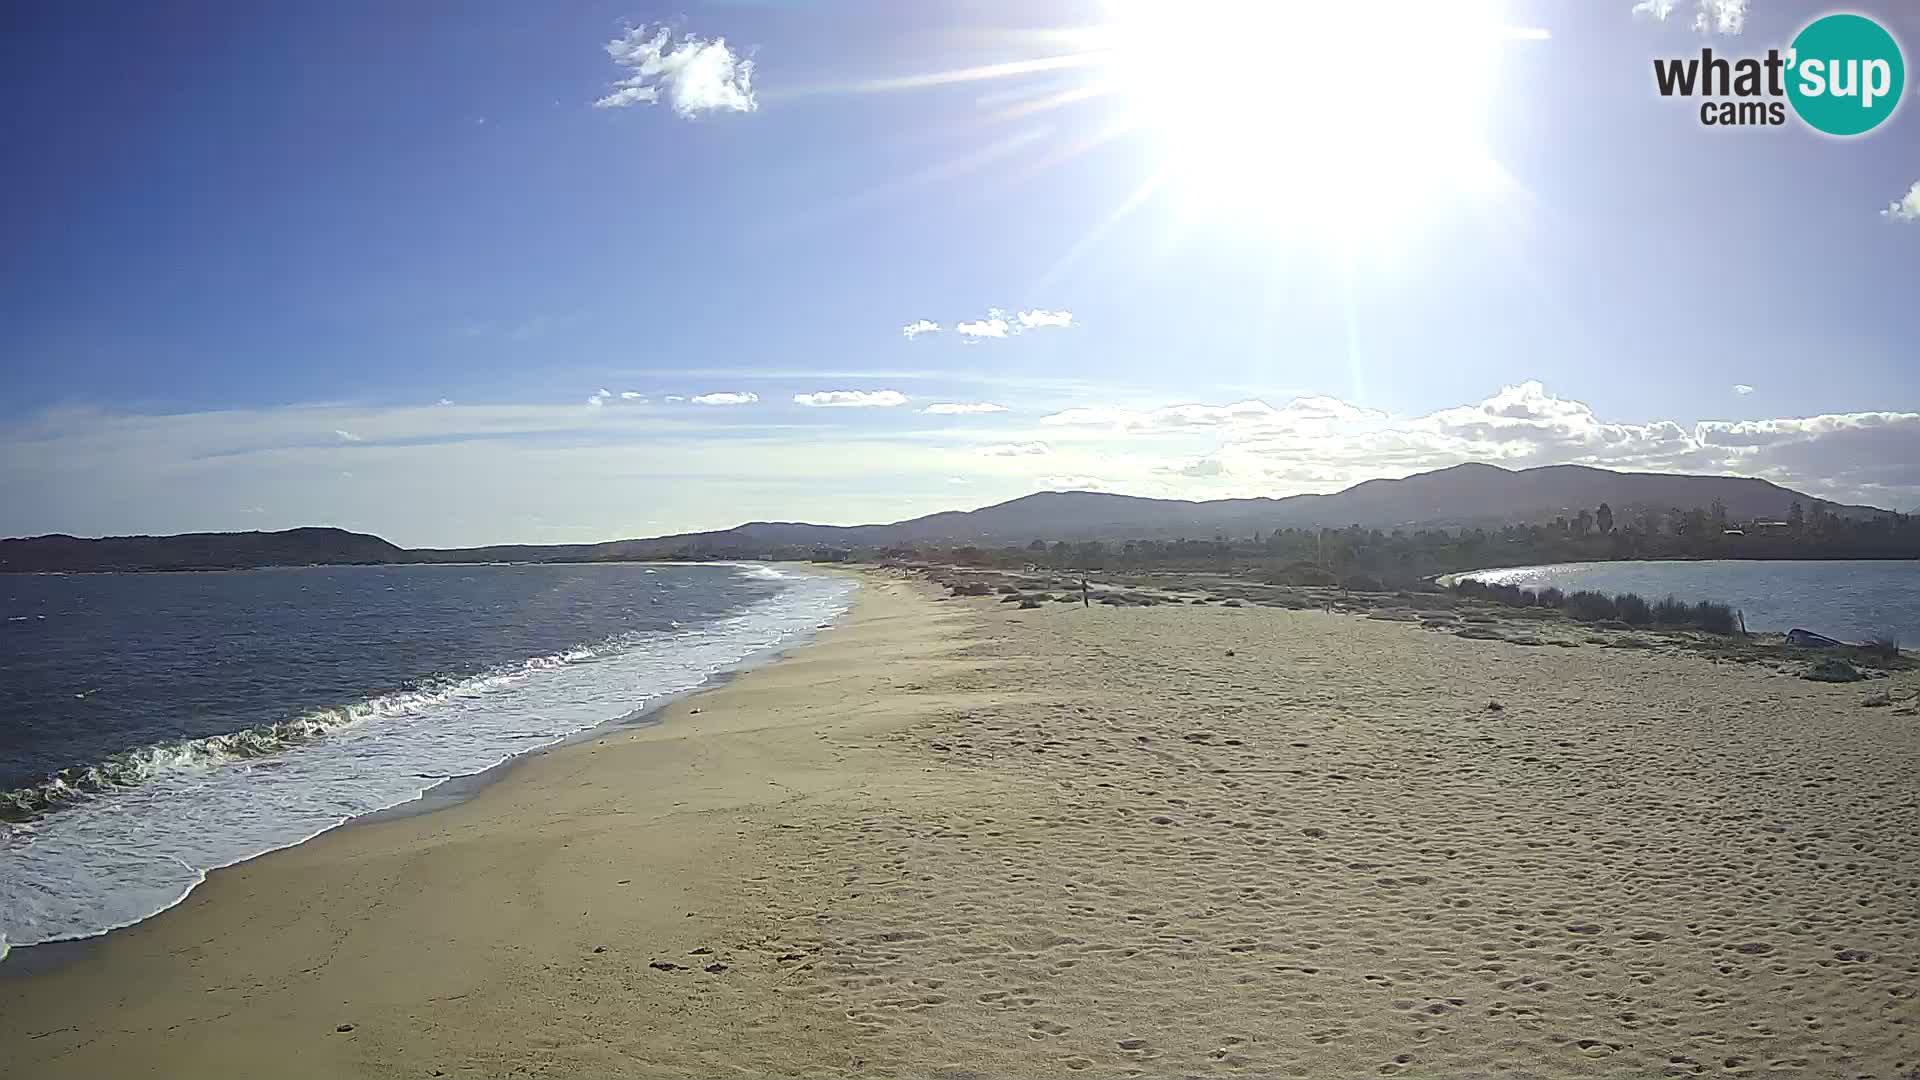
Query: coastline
[{"x": 1190, "y": 839}]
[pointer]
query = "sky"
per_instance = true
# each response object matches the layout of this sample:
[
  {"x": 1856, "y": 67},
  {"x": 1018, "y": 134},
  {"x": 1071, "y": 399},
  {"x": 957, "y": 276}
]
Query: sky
[{"x": 502, "y": 272}]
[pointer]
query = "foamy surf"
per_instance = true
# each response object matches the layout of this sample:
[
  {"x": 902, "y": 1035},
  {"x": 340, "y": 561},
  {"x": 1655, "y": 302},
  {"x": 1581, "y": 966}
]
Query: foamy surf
[{"x": 131, "y": 836}]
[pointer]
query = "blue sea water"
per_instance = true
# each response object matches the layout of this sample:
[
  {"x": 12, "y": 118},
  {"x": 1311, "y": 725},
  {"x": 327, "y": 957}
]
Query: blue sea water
[
  {"x": 1848, "y": 599},
  {"x": 154, "y": 727}
]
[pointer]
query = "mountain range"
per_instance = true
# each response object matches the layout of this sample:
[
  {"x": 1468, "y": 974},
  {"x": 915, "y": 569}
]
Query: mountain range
[{"x": 1461, "y": 495}]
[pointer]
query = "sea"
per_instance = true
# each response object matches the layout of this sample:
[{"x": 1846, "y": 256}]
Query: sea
[
  {"x": 154, "y": 727},
  {"x": 1853, "y": 600}
]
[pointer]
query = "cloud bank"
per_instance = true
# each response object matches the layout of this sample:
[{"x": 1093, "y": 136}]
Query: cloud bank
[
  {"x": 693, "y": 75},
  {"x": 549, "y": 468},
  {"x": 962, "y": 408},
  {"x": 851, "y": 399},
  {"x": 919, "y": 326}
]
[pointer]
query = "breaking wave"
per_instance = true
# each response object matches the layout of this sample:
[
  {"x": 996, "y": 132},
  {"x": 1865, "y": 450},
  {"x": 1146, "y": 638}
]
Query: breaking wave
[{"x": 96, "y": 847}]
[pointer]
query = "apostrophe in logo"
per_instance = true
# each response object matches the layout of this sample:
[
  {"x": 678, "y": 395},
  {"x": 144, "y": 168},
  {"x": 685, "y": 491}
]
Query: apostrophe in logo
[
  {"x": 1843, "y": 75},
  {"x": 1846, "y": 74}
]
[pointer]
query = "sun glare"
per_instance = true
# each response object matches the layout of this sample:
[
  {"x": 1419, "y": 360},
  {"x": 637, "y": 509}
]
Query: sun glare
[{"x": 1341, "y": 120}]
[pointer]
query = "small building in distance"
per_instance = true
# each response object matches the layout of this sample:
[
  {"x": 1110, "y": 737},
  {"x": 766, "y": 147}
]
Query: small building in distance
[
  {"x": 831, "y": 554},
  {"x": 1770, "y": 528}
]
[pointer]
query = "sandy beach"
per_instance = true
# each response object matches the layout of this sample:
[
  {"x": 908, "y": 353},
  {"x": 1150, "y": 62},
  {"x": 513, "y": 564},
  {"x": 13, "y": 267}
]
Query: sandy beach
[{"x": 952, "y": 838}]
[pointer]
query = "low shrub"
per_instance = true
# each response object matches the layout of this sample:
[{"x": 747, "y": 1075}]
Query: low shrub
[
  {"x": 1362, "y": 583},
  {"x": 1715, "y": 618},
  {"x": 1551, "y": 597},
  {"x": 1672, "y": 611},
  {"x": 1633, "y": 609},
  {"x": 1886, "y": 645},
  {"x": 1589, "y": 606}
]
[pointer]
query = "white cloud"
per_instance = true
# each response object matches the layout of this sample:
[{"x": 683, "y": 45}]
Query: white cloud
[
  {"x": 726, "y": 398},
  {"x": 1742, "y": 389},
  {"x": 919, "y": 326},
  {"x": 1030, "y": 320},
  {"x": 694, "y": 76},
  {"x": 962, "y": 408},
  {"x": 995, "y": 325},
  {"x": 1300, "y": 413},
  {"x": 346, "y": 436},
  {"x": 1907, "y": 208},
  {"x": 1709, "y": 16},
  {"x": 631, "y": 395},
  {"x": 675, "y": 397},
  {"x": 444, "y": 401},
  {"x": 598, "y": 398},
  {"x": 851, "y": 399},
  {"x": 1020, "y": 449},
  {"x": 1721, "y": 16}
]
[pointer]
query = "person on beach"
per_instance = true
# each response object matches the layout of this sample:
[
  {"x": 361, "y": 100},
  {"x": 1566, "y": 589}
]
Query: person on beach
[{"x": 1085, "y": 601}]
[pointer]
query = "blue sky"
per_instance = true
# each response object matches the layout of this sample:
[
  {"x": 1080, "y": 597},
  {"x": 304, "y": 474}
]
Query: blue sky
[{"x": 372, "y": 265}]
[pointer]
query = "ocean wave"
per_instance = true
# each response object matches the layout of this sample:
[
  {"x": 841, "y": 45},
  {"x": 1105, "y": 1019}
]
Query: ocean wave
[
  {"x": 132, "y": 836},
  {"x": 136, "y": 766}
]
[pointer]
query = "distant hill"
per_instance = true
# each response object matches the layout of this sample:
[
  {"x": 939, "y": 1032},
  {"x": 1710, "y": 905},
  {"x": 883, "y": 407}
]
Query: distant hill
[
  {"x": 1462, "y": 495},
  {"x": 196, "y": 551}
]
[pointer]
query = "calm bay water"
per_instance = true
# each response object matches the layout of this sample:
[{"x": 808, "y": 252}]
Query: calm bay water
[
  {"x": 157, "y": 726},
  {"x": 1850, "y": 600}
]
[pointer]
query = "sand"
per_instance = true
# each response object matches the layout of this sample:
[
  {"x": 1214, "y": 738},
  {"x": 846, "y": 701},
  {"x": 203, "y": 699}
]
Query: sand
[{"x": 954, "y": 838}]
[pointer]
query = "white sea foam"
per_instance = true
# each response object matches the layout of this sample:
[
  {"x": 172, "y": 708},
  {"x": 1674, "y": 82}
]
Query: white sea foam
[{"x": 137, "y": 842}]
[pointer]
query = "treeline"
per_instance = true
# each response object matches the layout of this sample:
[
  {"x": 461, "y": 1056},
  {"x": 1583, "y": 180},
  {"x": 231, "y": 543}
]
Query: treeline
[
  {"x": 1400, "y": 558},
  {"x": 1630, "y": 609}
]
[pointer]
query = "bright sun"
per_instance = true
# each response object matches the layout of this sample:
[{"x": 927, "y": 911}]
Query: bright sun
[{"x": 1336, "y": 119}]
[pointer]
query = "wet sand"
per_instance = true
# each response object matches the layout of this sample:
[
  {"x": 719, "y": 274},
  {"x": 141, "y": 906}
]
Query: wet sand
[{"x": 955, "y": 838}]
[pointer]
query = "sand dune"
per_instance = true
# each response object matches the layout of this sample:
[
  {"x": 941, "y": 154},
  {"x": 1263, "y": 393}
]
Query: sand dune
[{"x": 958, "y": 839}]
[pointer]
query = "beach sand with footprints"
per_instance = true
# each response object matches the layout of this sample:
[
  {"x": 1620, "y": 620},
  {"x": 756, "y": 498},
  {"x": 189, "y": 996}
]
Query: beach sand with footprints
[{"x": 956, "y": 838}]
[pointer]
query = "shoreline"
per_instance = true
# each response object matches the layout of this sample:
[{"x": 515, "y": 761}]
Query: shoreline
[
  {"x": 951, "y": 835},
  {"x": 17, "y": 959}
]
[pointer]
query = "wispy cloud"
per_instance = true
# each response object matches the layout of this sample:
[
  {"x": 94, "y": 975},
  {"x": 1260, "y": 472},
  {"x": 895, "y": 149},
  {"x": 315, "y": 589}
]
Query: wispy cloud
[
  {"x": 1709, "y": 16},
  {"x": 1037, "y": 318},
  {"x": 962, "y": 408},
  {"x": 632, "y": 395},
  {"x": 598, "y": 398},
  {"x": 919, "y": 326},
  {"x": 1905, "y": 209},
  {"x": 1742, "y": 389},
  {"x": 995, "y": 325},
  {"x": 1019, "y": 449},
  {"x": 726, "y": 397},
  {"x": 694, "y": 75},
  {"x": 346, "y": 436},
  {"x": 851, "y": 399}
]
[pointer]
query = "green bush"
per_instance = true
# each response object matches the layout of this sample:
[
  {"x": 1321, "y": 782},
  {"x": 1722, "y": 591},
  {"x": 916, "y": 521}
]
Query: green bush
[
  {"x": 1551, "y": 597},
  {"x": 1633, "y": 609},
  {"x": 1672, "y": 611},
  {"x": 1715, "y": 618},
  {"x": 1589, "y": 606}
]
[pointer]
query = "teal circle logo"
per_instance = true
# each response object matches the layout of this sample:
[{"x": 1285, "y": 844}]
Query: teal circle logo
[{"x": 1845, "y": 74}]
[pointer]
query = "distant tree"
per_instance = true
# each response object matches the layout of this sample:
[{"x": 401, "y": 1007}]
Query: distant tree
[
  {"x": 1583, "y": 524},
  {"x": 1718, "y": 515},
  {"x": 1796, "y": 516},
  {"x": 1037, "y": 545},
  {"x": 1603, "y": 518}
]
